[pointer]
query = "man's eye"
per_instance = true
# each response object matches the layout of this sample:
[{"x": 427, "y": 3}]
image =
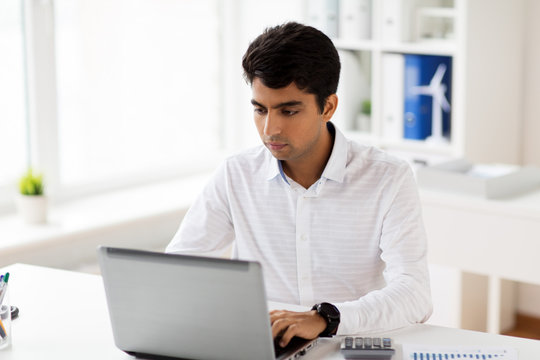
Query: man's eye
[
  {"x": 290, "y": 112},
  {"x": 259, "y": 111}
]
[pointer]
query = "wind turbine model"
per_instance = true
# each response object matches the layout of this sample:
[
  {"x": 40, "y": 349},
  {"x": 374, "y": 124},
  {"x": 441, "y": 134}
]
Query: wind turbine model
[{"x": 436, "y": 89}]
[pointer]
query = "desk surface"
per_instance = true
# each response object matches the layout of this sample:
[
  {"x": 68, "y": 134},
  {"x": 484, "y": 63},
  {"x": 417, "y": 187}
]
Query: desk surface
[{"x": 63, "y": 315}]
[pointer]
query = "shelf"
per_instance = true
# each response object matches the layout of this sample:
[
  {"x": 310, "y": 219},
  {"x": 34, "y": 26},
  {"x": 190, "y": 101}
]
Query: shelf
[
  {"x": 356, "y": 45},
  {"x": 362, "y": 137},
  {"x": 440, "y": 12},
  {"x": 463, "y": 30},
  {"x": 418, "y": 146},
  {"x": 435, "y": 47},
  {"x": 404, "y": 144}
]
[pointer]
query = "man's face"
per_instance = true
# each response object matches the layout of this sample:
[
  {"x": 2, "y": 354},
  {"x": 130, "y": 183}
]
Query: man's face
[{"x": 288, "y": 120}]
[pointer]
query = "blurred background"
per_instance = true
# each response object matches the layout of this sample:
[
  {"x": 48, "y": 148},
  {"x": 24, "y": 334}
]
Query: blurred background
[{"x": 127, "y": 106}]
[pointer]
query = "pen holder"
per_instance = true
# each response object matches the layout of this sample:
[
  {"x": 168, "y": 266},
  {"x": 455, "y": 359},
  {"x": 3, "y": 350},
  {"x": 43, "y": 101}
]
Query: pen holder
[{"x": 5, "y": 321}]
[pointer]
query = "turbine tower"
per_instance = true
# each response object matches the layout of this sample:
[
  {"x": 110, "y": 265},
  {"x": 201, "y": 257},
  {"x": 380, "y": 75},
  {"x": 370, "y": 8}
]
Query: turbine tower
[{"x": 436, "y": 89}]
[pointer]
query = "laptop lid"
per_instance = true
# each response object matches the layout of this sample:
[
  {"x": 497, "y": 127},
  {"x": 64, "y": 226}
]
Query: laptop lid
[{"x": 186, "y": 306}]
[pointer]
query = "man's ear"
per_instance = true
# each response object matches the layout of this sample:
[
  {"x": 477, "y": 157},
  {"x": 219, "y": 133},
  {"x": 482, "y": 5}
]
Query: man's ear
[{"x": 330, "y": 107}]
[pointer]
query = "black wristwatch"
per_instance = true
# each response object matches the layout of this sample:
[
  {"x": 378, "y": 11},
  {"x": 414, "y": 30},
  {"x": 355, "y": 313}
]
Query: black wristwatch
[{"x": 330, "y": 313}]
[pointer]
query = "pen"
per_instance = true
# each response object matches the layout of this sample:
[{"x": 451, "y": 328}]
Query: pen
[
  {"x": 3, "y": 332},
  {"x": 3, "y": 287}
]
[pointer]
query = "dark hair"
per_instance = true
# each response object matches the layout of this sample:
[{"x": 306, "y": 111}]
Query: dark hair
[{"x": 296, "y": 53}]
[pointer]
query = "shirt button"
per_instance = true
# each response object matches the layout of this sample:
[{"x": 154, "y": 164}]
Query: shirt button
[{"x": 303, "y": 238}]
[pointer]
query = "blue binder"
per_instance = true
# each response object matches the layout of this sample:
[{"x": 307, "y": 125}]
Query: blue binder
[{"x": 418, "y": 108}]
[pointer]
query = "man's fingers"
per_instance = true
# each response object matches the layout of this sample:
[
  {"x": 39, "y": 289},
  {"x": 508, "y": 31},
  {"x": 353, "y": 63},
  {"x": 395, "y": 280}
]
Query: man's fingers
[
  {"x": 279, "y": 326},
  {"x": 287, "y": 324},
  {"x": 288, "y": 335},
  {"x": 284, "y": 314},
  {"x": 278, "y": 314}
]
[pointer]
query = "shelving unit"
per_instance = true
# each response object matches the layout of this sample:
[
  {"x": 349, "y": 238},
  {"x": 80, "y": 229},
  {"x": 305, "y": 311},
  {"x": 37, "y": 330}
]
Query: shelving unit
[
  {"x": 484, "y": 40},
  {"x": 481, "y": 37}
]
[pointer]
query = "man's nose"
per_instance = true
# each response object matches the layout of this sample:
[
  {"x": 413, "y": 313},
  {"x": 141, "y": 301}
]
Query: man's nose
[{"x": 272, "y": 124}]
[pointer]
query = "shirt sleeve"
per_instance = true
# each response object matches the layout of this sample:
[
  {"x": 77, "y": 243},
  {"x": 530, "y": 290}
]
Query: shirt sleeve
[
  {"x": 406, "y": 298},
  {"x": 207, "y": 227}
]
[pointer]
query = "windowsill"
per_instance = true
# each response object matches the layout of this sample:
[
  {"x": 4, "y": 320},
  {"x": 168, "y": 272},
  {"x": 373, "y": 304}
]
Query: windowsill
[{"x": 135, "y": 217}]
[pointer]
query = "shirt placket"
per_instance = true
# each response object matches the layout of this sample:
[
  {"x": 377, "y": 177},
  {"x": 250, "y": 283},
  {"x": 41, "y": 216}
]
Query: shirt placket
[{"x": 303, "y": 250}]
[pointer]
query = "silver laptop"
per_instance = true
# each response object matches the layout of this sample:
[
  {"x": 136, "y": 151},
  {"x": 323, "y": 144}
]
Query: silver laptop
[{"x": 178, "y": 306}]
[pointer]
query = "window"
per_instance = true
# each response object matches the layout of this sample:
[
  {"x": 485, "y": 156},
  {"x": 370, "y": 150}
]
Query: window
[
  {"x": 122, "y": 92},
  {"x": 138, "y": 86},
  {"x": 13, "y": 144}
]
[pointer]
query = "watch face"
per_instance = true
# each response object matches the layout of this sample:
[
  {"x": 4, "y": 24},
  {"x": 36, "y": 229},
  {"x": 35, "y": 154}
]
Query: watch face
[{"x": 331, "y": 312}]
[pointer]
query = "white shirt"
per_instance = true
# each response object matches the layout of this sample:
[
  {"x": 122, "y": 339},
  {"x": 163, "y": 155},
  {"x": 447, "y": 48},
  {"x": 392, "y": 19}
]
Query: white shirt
[{"x": 355, "y": 238}]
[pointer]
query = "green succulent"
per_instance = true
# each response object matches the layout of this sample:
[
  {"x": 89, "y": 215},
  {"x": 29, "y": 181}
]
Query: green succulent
[
  {"x": 31, "y": 184},
  {"x": 366, "y": 107}
]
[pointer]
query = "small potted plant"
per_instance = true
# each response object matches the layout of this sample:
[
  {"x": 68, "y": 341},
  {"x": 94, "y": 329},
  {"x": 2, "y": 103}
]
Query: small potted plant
[
  {"x": 31, "y": 202},
  {"x": 364, "y": 118}
]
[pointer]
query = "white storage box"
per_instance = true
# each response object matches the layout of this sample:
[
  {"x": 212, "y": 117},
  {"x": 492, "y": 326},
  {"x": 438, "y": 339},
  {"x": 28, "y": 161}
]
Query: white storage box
[{"x": 484, "y": 180}]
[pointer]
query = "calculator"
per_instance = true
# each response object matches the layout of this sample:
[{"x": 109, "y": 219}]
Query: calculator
[{"x": 367, "y": 348}]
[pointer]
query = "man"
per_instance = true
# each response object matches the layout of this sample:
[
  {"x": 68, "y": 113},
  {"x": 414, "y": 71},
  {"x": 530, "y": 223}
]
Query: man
[{"x": 335, "y": 225}]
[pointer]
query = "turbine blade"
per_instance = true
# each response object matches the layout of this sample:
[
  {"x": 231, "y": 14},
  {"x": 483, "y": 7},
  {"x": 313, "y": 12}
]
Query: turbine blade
[
  {"x": 444, "y": 103},
  {"x": 439, "y": 73},
  {"x": 441, "y": 100},
  {"x": 422, "y": 90}
]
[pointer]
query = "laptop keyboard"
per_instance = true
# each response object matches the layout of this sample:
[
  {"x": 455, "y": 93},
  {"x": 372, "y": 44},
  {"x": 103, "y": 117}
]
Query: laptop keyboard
[
  {"x": 296, "y": 343},
  {"x": 367, "y": 348}
]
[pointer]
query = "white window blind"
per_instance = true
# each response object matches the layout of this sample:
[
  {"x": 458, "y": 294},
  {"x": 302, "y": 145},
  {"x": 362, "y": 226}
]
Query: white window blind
[{"x": 138, "y": 86}]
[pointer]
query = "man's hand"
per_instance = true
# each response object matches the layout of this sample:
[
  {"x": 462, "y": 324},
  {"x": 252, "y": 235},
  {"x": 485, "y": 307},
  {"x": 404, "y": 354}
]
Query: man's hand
[{"x": 287, "y": 324}]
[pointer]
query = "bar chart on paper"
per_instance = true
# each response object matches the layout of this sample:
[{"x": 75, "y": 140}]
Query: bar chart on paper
[{"x": 420, "y": 352}]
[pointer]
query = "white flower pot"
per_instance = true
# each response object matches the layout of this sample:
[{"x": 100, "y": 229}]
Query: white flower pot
[
  {"x": 363, "y": 123},
  {"x": 32, "y": 208}
]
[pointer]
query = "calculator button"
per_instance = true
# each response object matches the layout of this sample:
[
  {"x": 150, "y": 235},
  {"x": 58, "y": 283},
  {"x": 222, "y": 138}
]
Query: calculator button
[
  {"x": 387, "y": 342},
  {"x": 358, "y": 342},
  {"x": 367, "y": 343},
  {"x": 377, "y": 343},
  {"x": 348, "y": 342}
]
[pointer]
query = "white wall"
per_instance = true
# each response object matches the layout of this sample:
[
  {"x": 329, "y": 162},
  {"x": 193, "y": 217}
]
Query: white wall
[
  {"x": 531, "y": 128},
  {"x": 529, "y": 295}
]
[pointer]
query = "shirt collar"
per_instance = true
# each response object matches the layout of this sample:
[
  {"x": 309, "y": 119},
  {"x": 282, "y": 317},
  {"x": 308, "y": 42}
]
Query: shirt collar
[
  {"x": 335, "y": 167},
  {"x": 274, "y": 167}
]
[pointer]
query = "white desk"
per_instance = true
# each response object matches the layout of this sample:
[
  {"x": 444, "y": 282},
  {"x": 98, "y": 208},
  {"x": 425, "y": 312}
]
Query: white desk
[
  {"x": 461, "y": 229},
  {"x": 63, "y": 315},
  {"x": 497, "y": 238}
]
